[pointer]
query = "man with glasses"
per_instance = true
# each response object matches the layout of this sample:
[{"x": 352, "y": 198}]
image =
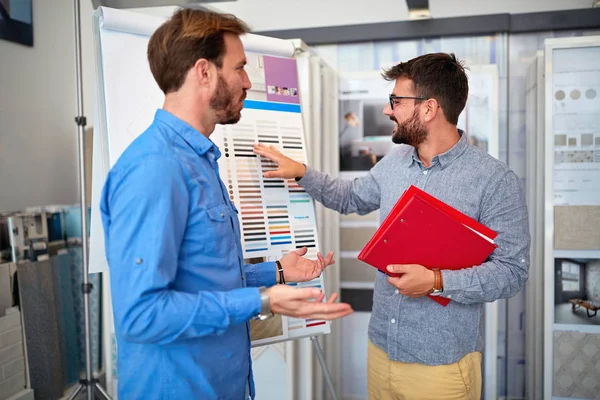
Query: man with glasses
[{"x": 417, "y": 348}]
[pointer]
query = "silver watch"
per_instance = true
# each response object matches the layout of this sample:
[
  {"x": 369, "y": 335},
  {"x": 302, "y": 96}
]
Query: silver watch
[{"x": 265, "y": 305}]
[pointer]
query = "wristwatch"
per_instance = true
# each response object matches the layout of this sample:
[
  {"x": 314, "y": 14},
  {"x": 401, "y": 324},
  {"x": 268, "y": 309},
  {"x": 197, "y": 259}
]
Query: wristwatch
[
  {"x": 438, "y": 286},
  {"x": 265, "y": 305}
]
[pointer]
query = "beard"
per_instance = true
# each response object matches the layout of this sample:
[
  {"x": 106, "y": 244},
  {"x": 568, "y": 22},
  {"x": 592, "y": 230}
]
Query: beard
[
  {"x": 411, "y": 132},
  {"x": 224, "y": 104}
]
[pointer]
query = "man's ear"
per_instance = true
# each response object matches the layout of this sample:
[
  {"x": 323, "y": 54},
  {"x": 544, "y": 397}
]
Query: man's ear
[
  {"x": 431, "y": 109},
  {"x": 204, "y": 71}
]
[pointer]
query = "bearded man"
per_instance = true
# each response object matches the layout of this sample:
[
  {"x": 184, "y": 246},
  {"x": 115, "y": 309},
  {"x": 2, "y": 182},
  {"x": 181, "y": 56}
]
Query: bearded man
[
  {"x": 182, "y": 295},
  {"x": 417, "y": 348}
]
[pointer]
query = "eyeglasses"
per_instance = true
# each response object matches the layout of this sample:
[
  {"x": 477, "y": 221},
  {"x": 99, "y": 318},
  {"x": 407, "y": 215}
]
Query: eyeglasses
[{"x": 392, "y": 98}]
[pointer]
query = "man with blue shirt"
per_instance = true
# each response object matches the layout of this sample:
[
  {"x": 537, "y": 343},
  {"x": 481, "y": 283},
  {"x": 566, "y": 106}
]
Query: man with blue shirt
[
  {"x": 417, "y": 348},
  {"x": 182, "y": 296}
]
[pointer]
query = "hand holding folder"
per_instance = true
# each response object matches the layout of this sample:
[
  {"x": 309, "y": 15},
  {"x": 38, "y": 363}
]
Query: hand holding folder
[{"x": 421, "y": 229}]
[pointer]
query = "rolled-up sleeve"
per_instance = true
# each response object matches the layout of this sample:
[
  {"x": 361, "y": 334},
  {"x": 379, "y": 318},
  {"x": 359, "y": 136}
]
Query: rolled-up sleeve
[{"x": 261, "y": 274}]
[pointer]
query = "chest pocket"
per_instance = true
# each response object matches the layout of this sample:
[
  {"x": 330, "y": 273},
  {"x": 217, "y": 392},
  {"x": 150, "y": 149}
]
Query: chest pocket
[
  {"x": 219, "y": 213},
  {"x": 218, "y": 229}
]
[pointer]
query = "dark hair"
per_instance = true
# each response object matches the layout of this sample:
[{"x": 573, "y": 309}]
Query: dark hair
[
  {"x": 186, "y": 37},
  {"x": 439, "y": 76}
]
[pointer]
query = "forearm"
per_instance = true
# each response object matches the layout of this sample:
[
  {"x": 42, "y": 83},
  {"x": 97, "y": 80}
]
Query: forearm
[
  {"x": 359, "y": 196},
  {"x": 161, "y": 317},
  {"x": 261, "y": 274},
  {"x": 487, "y": 282}
]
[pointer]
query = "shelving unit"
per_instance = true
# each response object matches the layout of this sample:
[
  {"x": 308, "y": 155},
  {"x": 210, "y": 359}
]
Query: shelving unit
[{"x": 571, "y": 204}]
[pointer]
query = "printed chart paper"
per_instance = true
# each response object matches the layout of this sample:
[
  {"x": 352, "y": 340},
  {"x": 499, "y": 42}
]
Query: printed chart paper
[{"x": 276, "y": 216}]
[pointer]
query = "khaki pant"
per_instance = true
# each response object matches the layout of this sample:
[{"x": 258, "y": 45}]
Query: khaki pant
[{"x": 394, "y": 380}]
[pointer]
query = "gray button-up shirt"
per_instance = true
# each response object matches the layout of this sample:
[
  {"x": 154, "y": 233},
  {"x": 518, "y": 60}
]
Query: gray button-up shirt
[{"x": 470, "y": 180}]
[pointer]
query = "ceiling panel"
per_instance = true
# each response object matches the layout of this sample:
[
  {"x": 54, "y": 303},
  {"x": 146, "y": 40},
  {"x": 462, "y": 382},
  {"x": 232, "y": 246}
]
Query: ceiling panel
[
  {"x": 122, "y": 4},
  {"x": 268, "y": 15}
]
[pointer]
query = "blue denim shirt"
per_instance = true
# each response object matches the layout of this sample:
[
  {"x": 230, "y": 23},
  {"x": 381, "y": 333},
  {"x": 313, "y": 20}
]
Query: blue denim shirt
[
  {"x": 419, "y": 330},
  {"x": 182, "y": 296}
]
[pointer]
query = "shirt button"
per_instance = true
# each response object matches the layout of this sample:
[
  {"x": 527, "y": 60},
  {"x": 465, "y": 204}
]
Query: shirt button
[
  {"x": 393, "y": 321},
  {"x": 396, "y": 291},
  {"x": 425, "y": 172},
  {"x": 138, "y": 261},
  {"x": 222, "y": 215}
]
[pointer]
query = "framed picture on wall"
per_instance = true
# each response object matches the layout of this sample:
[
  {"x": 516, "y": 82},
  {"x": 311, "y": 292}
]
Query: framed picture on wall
[
  {"x": 577, "y": 291},
  {"x": 16, "y": 21}
]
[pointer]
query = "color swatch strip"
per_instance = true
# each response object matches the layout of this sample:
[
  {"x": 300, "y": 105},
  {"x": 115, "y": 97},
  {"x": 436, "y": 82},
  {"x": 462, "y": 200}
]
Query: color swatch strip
[{"x": 251, "y": 207}]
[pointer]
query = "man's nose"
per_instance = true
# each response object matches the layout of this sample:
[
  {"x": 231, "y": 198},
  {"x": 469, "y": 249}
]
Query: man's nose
[{"x": 387, "y": 110}]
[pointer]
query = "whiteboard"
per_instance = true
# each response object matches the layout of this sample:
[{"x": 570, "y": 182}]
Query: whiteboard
[{"x": 127, "y": 98}]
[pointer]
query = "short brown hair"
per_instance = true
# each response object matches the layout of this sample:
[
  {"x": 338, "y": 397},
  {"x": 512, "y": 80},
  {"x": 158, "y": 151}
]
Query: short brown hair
[
  {"x": 439, "y": 76},
  {"x": 186, "y": 37}
]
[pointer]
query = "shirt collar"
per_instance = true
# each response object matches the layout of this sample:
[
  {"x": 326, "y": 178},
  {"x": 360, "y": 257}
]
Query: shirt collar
[
  {"x": 200, "y": 143},
  {"x": 445, "y": 158}
]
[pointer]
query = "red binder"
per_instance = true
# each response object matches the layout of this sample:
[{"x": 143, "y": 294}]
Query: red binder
[{"x": 421, "y": 229}]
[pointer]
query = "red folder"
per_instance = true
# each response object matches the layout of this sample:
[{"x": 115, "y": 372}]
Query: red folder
[{"x": 421, "y": 229}]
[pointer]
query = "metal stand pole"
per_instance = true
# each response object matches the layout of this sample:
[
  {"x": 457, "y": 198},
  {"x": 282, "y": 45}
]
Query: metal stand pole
[
  {"x": 324, "y": 368},
  {"x": 89, "y": 383}
]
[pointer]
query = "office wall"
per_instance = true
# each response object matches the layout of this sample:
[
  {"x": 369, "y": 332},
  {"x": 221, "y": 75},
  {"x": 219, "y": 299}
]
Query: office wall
[{"x": 38, "y": 135}]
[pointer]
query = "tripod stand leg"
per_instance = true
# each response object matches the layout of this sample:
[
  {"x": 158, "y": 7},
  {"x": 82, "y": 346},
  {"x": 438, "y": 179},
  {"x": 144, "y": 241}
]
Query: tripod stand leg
[
  {"x": 86, "y": 288},
  {"x": 321, "y": 359},
  {"x": 76, "y": 392},
  {"x": 103, "y": 392}
]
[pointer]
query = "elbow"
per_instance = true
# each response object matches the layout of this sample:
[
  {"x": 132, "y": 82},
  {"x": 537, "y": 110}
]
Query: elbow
[
  {"x": 137, "y": 324},
  {"x": 518, "y": 286},
  {"x": 515, "y": 284},
  {"x": 136, "y": 331},
  {"x": 520, "y": 278}
]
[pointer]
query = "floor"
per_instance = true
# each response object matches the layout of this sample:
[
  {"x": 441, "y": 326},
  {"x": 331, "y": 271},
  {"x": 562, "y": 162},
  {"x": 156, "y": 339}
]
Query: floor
[{"x": 564, "y": 315}]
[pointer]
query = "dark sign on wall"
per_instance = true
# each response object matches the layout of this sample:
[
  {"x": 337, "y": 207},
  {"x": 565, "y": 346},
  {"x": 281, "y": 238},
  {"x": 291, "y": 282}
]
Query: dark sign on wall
[{"x": 16, "y": 21}]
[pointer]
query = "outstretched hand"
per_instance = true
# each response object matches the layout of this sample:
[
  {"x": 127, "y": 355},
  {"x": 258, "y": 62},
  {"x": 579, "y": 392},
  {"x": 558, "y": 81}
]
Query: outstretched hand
[
  {"x": 296, "y": 268},
  {"x": 305, "y": 303},
  {"x": 286, "y": 167}
]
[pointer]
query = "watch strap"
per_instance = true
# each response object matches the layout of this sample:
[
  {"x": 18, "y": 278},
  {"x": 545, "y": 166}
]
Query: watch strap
[
  {"x": 265, "y": 304},
  {"x": 438, "y": 286},
  {"x": 280, "y": 272}
]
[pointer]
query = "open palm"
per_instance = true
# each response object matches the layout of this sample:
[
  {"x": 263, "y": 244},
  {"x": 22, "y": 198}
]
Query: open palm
[{"x": 296, "y": 268}]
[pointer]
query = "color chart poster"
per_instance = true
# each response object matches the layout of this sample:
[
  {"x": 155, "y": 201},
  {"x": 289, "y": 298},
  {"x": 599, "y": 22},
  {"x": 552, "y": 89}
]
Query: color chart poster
[{"x": 276, "y": 215}]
